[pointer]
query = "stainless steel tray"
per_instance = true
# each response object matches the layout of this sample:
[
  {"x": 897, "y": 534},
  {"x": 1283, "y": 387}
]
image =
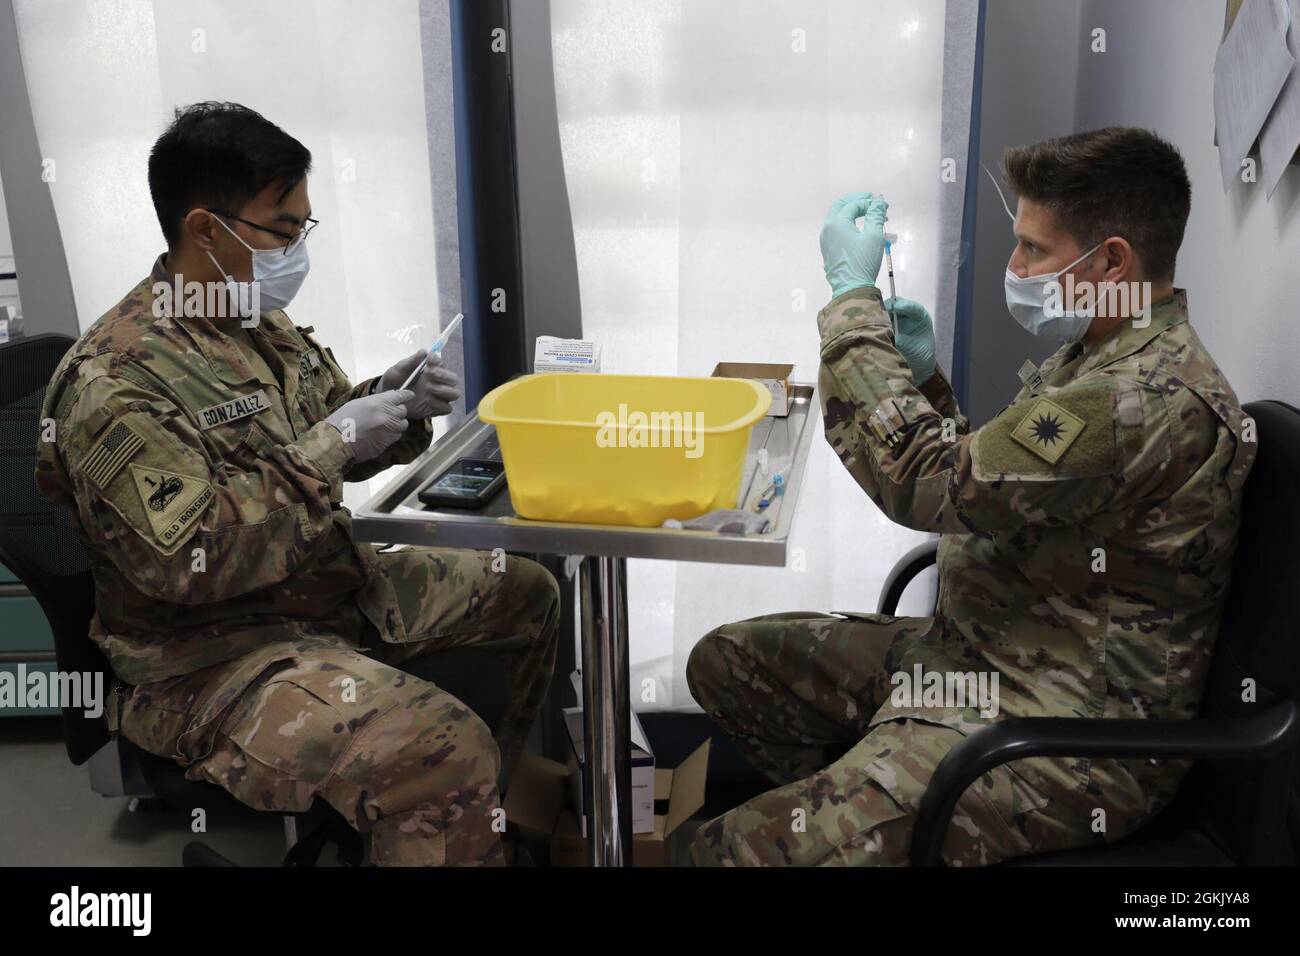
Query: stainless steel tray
[{"x": 397, "y": 516}]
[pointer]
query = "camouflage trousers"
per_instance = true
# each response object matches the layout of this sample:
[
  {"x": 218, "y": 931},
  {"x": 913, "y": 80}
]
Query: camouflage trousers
[
  {"x": 318, "y": 715},
  {"x": 796, "y": 693}
]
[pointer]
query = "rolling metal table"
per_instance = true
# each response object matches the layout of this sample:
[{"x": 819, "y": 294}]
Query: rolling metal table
[{"x": 397, "y": 516}]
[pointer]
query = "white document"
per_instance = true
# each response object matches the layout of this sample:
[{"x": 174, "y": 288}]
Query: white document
[
  {"x": 1252, "y": 66},
  {"x": 1281, "y": 135}
]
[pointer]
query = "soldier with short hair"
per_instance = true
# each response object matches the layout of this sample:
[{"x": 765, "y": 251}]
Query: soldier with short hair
[
  {"x": 202, "y": 443},
  {"x": 1088, "y": 534}
]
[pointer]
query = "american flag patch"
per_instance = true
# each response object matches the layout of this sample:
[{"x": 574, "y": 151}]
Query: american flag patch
[{"x": 111, "y": 454}]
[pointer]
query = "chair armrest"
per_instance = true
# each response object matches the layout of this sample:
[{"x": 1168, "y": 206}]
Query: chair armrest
[
  {"x": 908, "y": 567},
  {"x": 1019, "y": 738}
]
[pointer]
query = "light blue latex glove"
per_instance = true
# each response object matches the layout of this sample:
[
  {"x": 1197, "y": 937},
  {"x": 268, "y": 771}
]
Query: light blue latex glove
[
  {"x": 851, "y": 256},
  {"x": 913, "y": 336}
]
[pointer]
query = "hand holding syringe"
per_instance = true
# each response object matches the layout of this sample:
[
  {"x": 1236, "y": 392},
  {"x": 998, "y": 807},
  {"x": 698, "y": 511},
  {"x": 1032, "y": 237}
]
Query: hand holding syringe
[
  {"x": 433, "y": 386},
  {"x": 435, "y": 349},
  {"x": 913, "y": 327},
  {"x": 890, "y": 239}
]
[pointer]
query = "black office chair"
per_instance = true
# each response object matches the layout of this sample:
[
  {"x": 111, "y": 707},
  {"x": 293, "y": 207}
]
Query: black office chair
[
  {"x": 1240, "y": 803},
  {"x": 40, "y": 546}
]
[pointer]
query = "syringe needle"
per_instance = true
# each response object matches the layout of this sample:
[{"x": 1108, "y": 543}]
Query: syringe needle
[{"x": 889, "y": 262}]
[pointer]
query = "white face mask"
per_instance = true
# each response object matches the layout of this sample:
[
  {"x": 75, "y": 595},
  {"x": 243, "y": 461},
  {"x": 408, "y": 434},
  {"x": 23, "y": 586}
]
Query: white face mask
[
  {"x": 277, "y": 277},
  {"x": 1027, "y": 301}
]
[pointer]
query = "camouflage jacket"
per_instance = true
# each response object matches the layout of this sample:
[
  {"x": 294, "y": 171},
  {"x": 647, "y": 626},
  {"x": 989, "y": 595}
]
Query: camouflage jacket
[
  {"x": 209, "y": 495},
  {"x": 1088, "y": 529}
]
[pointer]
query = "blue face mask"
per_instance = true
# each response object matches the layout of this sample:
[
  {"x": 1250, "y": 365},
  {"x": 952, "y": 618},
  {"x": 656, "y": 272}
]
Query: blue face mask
[
  {"x": 277, "y": 277},
  {"x": 1028, "y": 298}
]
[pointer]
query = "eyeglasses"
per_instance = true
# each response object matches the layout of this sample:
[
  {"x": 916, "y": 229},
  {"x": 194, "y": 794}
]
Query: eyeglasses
[{"x": 292, "y": 240}]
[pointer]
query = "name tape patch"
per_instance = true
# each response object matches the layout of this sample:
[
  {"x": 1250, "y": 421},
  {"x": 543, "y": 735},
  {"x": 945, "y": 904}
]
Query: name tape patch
[{"x": 233, "y": 410}]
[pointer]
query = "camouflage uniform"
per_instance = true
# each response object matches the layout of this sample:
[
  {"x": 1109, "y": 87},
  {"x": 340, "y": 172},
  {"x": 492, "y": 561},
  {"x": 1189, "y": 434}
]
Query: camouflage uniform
[
  {"x": 1088, "y": 532},
  {"x": 256, "y": 638}
]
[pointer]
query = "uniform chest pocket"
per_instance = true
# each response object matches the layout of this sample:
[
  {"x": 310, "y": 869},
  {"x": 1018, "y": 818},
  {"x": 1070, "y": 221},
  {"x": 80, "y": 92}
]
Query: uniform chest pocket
[{"x": 242, "y": 446}]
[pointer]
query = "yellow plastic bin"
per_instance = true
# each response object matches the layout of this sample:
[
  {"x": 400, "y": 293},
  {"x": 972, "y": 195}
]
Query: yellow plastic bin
[{"x": 623, "y": 449}]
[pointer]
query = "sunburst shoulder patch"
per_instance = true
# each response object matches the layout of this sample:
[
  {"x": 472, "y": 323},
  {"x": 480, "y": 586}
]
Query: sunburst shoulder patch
[{"x": 1048, "y": 430}]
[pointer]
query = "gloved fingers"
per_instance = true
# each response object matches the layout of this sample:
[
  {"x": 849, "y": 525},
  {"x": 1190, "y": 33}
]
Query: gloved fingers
[
  {"x": 397, "y": 400},
  {"x": 394, "y": 427},
  {"x": 436, "y": 390},
  {"x": 914, "y": 324},
  {"x": 874, "y": 214},
  {"x": 400, "y": 372},
  {"x": 907, "y": 308},
  {"x": 440, "y": 393},
  {"x": 439, "y": 375},
  {"x": 443, "y": 374},
  {"x": 849, "y": 208},
  {"x": 434, "y": 408},
  {"x": 407, "y": 365}
]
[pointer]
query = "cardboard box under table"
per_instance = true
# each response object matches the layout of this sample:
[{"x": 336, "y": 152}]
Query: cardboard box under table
[
  {"x": 540, "y": 789},
  {"x": 678, "y": 795}
]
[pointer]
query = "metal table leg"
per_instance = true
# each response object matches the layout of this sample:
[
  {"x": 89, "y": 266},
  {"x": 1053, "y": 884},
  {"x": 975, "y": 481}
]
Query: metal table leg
[{"x": 606, "y": 729}]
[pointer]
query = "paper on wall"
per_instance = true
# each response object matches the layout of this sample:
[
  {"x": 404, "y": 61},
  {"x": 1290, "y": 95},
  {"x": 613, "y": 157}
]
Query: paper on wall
[
  {"x": 1281, "y": 135},
  {"x": 1249, "y": 72}
]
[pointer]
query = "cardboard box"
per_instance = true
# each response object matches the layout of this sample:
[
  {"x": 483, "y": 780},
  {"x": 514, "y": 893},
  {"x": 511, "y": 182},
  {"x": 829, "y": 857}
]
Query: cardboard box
[
  {"x": 775, "y": 378},
  {"x": 534, "y": 804},
  {"x": 679, "y": 791},
  {"x": 643, "y": 773},
  {"x": 565, "y": 355}
]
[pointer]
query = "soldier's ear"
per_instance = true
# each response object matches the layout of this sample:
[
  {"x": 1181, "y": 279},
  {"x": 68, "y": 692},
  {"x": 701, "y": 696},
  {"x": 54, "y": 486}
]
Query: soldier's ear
[
  {"x": 200, "y": 228},
  {"x": 1118, "y": 259}
]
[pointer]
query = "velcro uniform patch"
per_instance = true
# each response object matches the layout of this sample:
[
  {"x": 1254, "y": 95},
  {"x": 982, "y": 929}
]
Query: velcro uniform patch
[
  {"x": 1069, "y": 435},
  {"x": 110, "y": 454},
  {"x": 172, "y": 502},
  {"x": 149, "y": 479},
  {"x": 1048, "y": 430},
  {"x": 233, "y": 410}
]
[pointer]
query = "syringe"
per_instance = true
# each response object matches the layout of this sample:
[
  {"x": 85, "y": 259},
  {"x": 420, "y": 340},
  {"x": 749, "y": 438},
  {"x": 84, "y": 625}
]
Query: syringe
[
  {"x": 435, "y": 349},
  {"x": 890, "y": 239}
]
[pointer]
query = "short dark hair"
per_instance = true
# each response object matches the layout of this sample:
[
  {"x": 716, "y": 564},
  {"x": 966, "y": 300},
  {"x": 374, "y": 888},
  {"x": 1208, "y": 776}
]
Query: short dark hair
[
  {"x": 1118, "y": 181},
  {"x": 219, "y": 155}
]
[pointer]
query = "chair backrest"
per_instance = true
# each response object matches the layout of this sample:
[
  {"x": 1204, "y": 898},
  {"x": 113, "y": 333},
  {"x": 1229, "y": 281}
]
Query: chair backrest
[
  {"x": 1259, "y": 637},
  {"x": 38, "y": 542}
]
